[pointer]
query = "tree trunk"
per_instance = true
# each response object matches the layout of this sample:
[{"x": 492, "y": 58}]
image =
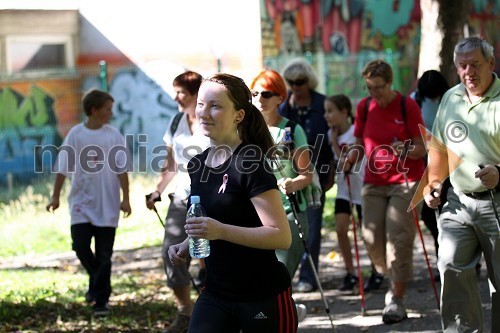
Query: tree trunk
[
  {"x": 431, "y": 37},
  {"x": 453, "y": 15}
]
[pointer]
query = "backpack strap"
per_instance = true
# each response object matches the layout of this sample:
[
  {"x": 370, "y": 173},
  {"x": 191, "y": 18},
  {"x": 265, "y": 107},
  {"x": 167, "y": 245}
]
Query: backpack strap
[
  {"x": 364, "y": 116},
  {"x": 175, "y": 123},
  {"x": 403, "y": 108}
]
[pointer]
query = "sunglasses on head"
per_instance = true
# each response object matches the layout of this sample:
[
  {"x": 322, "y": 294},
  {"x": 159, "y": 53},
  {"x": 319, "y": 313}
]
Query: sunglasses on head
[
  {"x": 297, "y": 82},
  {"x": 264, "y": 94}
]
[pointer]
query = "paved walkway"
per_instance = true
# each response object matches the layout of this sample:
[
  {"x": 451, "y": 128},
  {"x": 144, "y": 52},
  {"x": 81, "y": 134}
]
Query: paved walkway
[{"x": 345, "y": 307}]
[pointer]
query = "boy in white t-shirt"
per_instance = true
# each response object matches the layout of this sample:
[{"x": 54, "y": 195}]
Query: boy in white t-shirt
[{"x": 95, "y": 158}]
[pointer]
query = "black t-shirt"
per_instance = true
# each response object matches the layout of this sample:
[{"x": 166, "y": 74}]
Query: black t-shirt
[{"x": 237, "y": 272}]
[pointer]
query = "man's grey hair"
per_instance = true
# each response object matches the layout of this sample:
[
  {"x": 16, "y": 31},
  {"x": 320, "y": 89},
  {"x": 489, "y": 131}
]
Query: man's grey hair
[{"x": 470, "y": 44}]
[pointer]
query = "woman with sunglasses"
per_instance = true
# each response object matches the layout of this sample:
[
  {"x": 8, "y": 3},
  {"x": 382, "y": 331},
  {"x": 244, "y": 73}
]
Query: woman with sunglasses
[
  {"x": 293, "y": 170},
  {"x": 305, "y": 106},
  {"x": 246, "y": 288}
]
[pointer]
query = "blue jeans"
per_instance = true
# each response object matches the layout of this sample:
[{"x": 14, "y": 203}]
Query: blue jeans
[
  {"x": 315, "y": 221},
  {"x": 98, "y": 264}
]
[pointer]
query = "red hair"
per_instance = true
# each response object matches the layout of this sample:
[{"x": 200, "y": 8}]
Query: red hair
[{"x": 271, "y": 81}]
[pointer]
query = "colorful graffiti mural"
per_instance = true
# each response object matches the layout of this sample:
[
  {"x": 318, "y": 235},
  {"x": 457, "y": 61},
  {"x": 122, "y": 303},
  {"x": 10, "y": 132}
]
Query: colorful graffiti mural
[
  {"x": 142, "y": 110},
  {"x": 341, "y": 36},
  {"x": 26, "y": 120},
  {"x": 40, "y": 114}
]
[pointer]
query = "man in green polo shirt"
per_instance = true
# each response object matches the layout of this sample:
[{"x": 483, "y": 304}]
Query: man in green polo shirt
[{"x": 466, "y": 135}]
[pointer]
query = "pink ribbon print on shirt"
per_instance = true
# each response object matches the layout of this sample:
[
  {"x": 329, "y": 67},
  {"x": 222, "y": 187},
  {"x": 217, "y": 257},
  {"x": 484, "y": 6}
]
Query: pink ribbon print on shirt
[{"x": 222, "y": 188}]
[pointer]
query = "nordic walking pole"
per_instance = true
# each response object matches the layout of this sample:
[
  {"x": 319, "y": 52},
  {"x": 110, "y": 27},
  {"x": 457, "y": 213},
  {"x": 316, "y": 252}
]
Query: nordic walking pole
[
  {"x": 294, "y": 204},
  {"x": 163, "y": 224},
  {"x": 360, "y": 275},
  {"x": 431, "y": 274},
  {"x": 159, "y": 218},
  {"x": 436, "y": 210},
  {"x": 493, "y": 203},
  {"x": 295, "y": 209}
]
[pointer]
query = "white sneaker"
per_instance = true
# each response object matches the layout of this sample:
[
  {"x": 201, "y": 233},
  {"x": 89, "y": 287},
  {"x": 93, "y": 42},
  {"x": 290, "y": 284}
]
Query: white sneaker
[
  {"x": 304, "y": 287},
  {"x": 301, "y": 312},
  {"x": 394, "y": 312}
]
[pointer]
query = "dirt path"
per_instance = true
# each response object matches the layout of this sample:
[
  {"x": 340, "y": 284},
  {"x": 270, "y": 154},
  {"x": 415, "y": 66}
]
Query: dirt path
[{"x": 345, "y": 308}]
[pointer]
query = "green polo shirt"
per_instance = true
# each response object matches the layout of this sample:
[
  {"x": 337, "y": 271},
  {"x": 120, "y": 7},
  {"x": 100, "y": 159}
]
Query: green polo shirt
[{"x": 470, "y": 133}]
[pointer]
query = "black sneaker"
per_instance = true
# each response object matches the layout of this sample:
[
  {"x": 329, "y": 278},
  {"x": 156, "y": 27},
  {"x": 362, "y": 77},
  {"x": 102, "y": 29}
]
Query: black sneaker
[
  {"x": 374, "y": 282},
  {"x": 349, "y": 282},
  {"x": 89, "y": 298},
  {"x": 100, "y": 309}
]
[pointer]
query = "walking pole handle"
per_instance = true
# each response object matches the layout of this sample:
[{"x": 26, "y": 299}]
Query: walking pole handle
[
  {"x": 158, "y": 198},
  {"x": 492, "y": 198}
]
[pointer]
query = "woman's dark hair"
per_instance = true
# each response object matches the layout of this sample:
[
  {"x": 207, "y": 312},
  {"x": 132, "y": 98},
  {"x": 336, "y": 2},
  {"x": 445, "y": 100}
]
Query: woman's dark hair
[
  {"x": 342, "y": 102},
  {"x": 432, "y": 84},
  {"x": 252, "y": 129},
  {"x": 189, "y": 80},
  {"x": 95, "y": 99}
]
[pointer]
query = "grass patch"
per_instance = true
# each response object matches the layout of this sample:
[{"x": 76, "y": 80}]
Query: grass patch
[
  {"x": 53, "y": 301},
  {"x": 27, "y": 228}
]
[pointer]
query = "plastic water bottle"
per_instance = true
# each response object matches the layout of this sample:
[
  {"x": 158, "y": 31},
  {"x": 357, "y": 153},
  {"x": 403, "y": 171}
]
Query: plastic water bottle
[
  {"x": 287, "y": 137},
  {"x": 286, "y": 143},
  {"x": 198, "y": 247}
]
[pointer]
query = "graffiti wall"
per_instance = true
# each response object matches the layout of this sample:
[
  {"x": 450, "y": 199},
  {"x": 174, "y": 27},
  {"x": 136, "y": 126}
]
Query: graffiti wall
[
  {"x": 33, "y": 114},
  {"x": 484, "y": 20},
  {"x": 39, "y": 113},
  {"x": 142, "y": 110},
  {"x": 340, "y": 36}
]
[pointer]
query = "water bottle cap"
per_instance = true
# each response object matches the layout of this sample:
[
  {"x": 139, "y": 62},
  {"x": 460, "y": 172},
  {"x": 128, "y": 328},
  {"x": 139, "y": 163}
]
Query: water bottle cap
[{"x": 195, "y": 199}]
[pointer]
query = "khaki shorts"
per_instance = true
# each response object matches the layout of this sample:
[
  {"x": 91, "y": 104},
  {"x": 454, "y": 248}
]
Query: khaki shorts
[{"x": 389, "y": 230}]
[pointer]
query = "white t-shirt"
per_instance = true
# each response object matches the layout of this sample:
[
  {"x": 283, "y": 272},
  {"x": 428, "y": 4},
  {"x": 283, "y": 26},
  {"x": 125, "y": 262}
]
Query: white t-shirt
[
  {"x": 357, "y": 171},
  {"x": 185, "y": 145},
  {"x": 93, "y": 159}
]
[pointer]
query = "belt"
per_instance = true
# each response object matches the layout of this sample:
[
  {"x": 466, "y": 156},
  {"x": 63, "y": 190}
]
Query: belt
[{"x": 480, "y": 195}]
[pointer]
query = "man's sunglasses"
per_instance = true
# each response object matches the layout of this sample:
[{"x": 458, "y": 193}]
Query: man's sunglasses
[
  {"x": 264, "y": 94},
  {"x": 298, "y": 82}
]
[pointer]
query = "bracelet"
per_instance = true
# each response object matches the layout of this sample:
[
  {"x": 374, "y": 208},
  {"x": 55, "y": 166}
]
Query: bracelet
[{"x": 159, "y": 194}]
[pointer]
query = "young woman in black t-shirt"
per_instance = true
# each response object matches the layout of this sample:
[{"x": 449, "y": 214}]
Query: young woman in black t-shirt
[{"x": 246, "y": 287}]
